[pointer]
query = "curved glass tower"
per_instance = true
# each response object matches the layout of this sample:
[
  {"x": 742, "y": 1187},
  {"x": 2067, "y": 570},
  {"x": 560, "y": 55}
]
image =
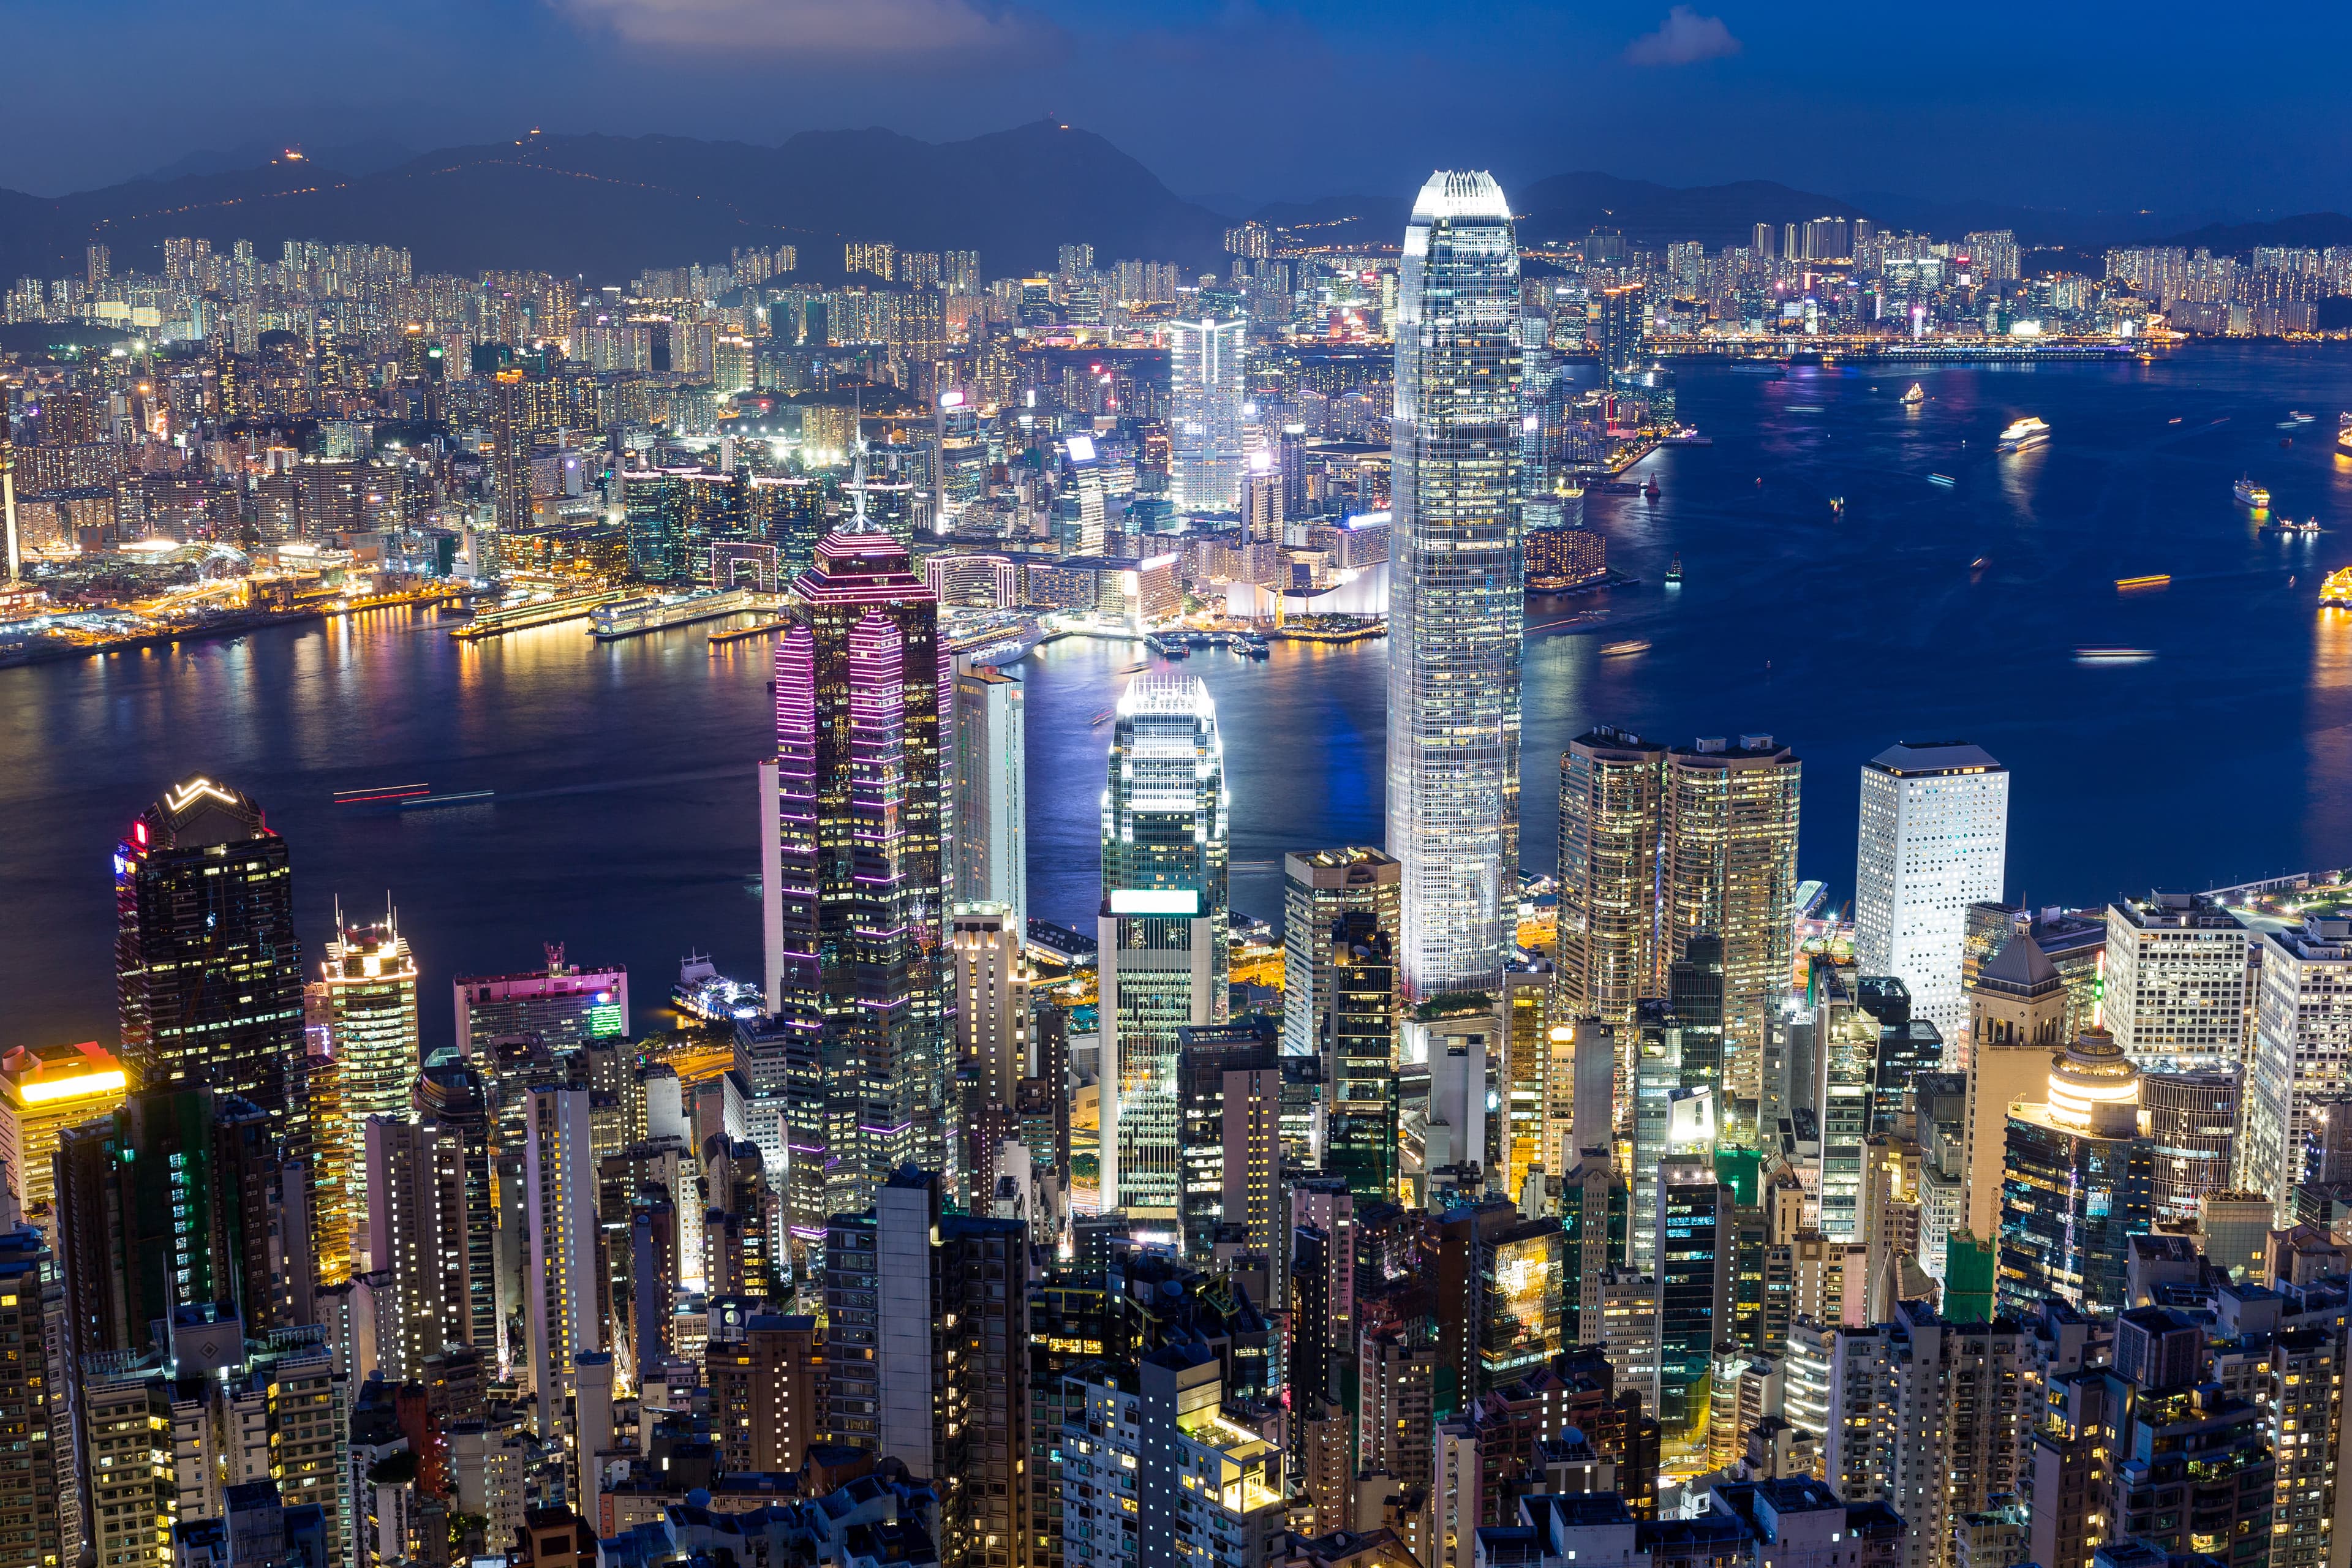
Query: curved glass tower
[
  {"x": 1161, "y": 929},
  {"x": 1455, "y": 610}
]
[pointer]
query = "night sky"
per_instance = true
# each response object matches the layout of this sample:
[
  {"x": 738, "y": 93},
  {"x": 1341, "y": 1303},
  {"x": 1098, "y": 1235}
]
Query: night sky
[{"x": 2162, "y": 104}]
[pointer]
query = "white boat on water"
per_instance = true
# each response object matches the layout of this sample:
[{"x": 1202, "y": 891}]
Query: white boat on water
[
  {"x": 1916, "y": 397},
  {"x": 2252, "y": 494},
  {"x": 2022, "y": 435}
]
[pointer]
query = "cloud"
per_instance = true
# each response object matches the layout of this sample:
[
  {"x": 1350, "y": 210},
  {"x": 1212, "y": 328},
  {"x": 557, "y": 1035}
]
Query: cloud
[
  {"x": 1684, "y": 36},
  {"x": 834, "y": 29}
]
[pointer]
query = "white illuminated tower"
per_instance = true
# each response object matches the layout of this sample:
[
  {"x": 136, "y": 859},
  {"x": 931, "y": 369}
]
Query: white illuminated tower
[
  {"x": 1934, "y": 840},
  {"x": 1205, "y": 427},
  {"x": 1162, "y": 961},
  {"x": 1457, "y": 614}
]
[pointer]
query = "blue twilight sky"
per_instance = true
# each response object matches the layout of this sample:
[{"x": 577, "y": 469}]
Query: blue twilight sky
[{"x": 2161, "y": 103}]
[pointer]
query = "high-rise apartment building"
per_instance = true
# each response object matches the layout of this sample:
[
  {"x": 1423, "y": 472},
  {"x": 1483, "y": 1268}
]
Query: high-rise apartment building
[
  {"x": 2180, "y": 981},
  {"x": 1933, "y": 840},
  {"x": 1161, "y": 929},
  {"x": 1206, "y": 1488},
  {"x": 1204, "y": 424},
  {"x": 416, "y": 1234},
  {"x": 207, "y": 968},
  {"x": 991, "y": 793},
  {"x": 1456, "y": 608},
  {"x": 563, "y": 1314},
  {"x": 368, "y": 984},
  {"x": 854, "y": 889},
  {"x": 511, "y": 451},
  {"x": 1320, "y": 887},
  {"x": 2303, "y": 1051}
]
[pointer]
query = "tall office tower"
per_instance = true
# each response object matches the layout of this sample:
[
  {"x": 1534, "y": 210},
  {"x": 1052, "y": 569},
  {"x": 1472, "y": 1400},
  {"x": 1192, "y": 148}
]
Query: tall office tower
[
  {"x": 1931, "y": 1416},
  {"x": 992, "y": 1040},
  {"x": 416, "y": 1234},
  {"x": 1521, "y": 1069},
  {"x": 369, "y": 980},
  {"x": 1205, "y": 413},
  {"x": 1694, "y": 1246},
  {"x": 937, "y": 1355},
  {"x": 454, "y": 1097},
  {"x": 1731, "y": 869},
  {"x": 2192, "y": 1134},
  {"x": 1360, "y": 1059},
  {"x": 1612, "y": 813},
  {"x": 1087, "y": 486},
  {"x": 991, "y": 793},
  {"x": 2179, "y": 981},
  {"x": 44, "y": 1089},
  {"x": 1457, "y": 611},
  {"x": 511, "y": 451},
  {"x": 1617, "y": 324},
  {"x": 1933, "y": 840},
  {"x": 563, "y": 1315},
  {"x": 1229, "y": 1082},
  {"x": 1165, "y": 834},
  {"x": 16, "y": 560},
  {"x": 1320, "y": 888},
  {"x": 208, "y": 971},
  {"x": 2076, "y": 1181},
  {"x": 1539, "y": 503},
  {"x": 2017, "y": 1020},
  {"x": 855, "y": 898},
  {"x": 2303, "y": 1051}
]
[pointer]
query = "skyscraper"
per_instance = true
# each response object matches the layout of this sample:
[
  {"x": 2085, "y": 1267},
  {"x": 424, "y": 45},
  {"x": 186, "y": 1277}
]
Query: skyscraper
[
  {"x": 369, "y": 983},
  {"x": 1456, "y": 610},
  {"x": 2076, "y": 1181},
  {"x": 511, "y": 451},
  {"x": 1934, "y": 839},
  {"x": 855, "y": 882},
  {"x": 1162, "y": 927},
  {"x": 208, "y": 971},
  {"x": 1204, "y": 433},
  {"x": 2303, "y": 1052},
  {"x": 2179, "y": 985},
  {"x": 992, "y": 793},
  {"x": 1731, "y": 868},
  {"x": 1612, "y": 934},
  {"x": 1320, "y": 887}
]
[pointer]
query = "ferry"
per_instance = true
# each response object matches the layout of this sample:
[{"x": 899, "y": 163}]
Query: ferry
[
  {"x": 633, "y": 617},
  {"x": 1980, "y": 563},
  {"x": 1942, "y": 481},
  {"x": 2299, "y": 416},
  {"x": 2022, "y": 435},
  {"x": 703, "y": 993},
  {"x": 1625, "y": 650},
  {"x": 2308, "y": 525},
  {"x": 2337, "y": 592},
  {"x": 1101, "y": 718},
  {"x": 2153, "y": 580},
  {"x": 1916, "y": 397},
  {"x": 2344, "y": 433},
  {"x": 1675, "y": 571},
  {"x": 2252, "y": 494},
  {"x": 1253, "y": 647},
  {"x": 2103, "y": 654}
]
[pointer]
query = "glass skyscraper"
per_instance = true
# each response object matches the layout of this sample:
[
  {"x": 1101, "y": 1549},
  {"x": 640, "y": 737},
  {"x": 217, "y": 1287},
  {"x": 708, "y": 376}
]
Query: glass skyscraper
[
  {"x": 1204, "y": 434},
  {"x": 1455, "y": 611},
  {"x": 1161, "y": 928}
]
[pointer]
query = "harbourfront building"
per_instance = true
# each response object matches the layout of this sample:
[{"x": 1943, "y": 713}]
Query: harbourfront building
[
  {"x": 1456, "y": 609},
  {"x": 1161, "y": 929},
  {"x": 991, "y": 791},
  {"x": 1933, "y": 840}
]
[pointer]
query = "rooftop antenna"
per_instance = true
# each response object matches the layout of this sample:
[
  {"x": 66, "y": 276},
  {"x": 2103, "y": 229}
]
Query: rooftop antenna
[
  {"x": 858, "y": 522},
  {"x": 554, "y": 957}
]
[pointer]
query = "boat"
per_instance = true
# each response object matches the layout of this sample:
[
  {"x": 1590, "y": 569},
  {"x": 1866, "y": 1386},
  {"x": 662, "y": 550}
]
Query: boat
[
  {"x": 371, "y": 794},
  {"x": 2106, "y": 655},
  {"x": 2337, "y": 592},
  {"x": 1652, "y": 492},
  {"x": 1980, "y": 563},
  {"x": 2153, "y": 580},
  {"x": 1942, "y": 481},
  {"x": 1837, "y": 504},
  {"x": 1675, "y": 571},
  {"x": 1101, "y": 718},
  {"x": 1137, "y": 668},
  {"x": 1625, "y": 650},
  {"x": 1916, "y": 397},
  {"x": 2344, "y": 433},
  {"x": 703, "y": 993},
  {"x": 2299, "y": 416},
  {"x": 2308, "y": 525},
  {"x": 2022, "y": 435},
  {"x": 1253, "y": 647},
  {"x": 633, "y": 617},
  {"x": 2252, "y": 494}
]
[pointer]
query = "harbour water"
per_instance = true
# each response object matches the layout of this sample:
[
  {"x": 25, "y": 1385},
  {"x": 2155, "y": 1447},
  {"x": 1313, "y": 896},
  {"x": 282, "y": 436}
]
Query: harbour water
[{"x": 623, "y": 818}]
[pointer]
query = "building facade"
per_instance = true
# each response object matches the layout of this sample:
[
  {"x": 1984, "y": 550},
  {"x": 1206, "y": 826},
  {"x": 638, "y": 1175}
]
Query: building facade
[{"x": 1933, "y": 840}]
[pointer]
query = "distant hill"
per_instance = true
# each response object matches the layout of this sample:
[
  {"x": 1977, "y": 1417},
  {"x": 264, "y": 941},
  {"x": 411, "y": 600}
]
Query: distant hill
[
  {"x": 1569, "y": 207},
  {"x": 608, "y": 207},
  {"x": 2314, "y": 229}
]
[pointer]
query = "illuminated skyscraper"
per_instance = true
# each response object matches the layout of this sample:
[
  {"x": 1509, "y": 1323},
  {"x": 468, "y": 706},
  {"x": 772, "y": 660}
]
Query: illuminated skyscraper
[
  {"x": 1934, "y": 840},
  {"x": 369, "y": 983},
  {"x": 1161, "y": 928},
  {"x": 1204, "y": 389},
  {"x": 208, "y": 971},
  {"x": 855, "y": 882},
  {"x": 991, "y": 833},
  {"x": 45, "y": 1089},
  {"x": 1320, "y": 887},
  {"x": 1456, "y": 612},
  {"x": 511, "y": 452},
  {"x": 1731, "y": 868}
]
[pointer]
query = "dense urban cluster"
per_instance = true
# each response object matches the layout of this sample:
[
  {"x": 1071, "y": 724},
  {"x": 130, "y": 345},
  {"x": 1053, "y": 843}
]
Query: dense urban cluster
[{"x": 1610, "y": 1200}]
